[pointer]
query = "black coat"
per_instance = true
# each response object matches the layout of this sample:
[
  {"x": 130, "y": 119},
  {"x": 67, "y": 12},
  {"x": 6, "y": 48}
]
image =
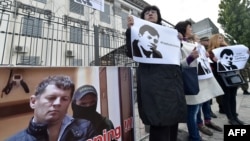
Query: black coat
[
  {"x": 77, "y": 130},
  {"x": 138, "y": 53},
  {"x": 161, "y": 99}
]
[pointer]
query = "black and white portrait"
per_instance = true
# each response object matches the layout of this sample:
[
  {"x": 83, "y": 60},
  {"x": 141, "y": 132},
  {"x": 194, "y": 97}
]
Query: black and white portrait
[
  {"x": 146, "y": 45},
  {"x": 225, "y": 62},
  {"x": 153, "y": 43},
  {"x": 231, "y": 58}
]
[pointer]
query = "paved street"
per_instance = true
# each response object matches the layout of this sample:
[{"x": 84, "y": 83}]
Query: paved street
[{"x": 243, "y": 109}]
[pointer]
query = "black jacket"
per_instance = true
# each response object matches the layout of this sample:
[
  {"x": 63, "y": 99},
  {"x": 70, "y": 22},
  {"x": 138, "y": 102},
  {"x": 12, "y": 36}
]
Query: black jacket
[
  {"x": 161, "y": 99},
  {"x": 77, "y": 130},
  {"x": 222, "y": 67},
  {"x": 138, "y": 53}
]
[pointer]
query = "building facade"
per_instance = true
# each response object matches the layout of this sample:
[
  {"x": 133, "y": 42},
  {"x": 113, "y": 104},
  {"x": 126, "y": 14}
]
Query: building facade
[
  {"x": 63, "y": 32},
  {"x": 205, "y": 28}
]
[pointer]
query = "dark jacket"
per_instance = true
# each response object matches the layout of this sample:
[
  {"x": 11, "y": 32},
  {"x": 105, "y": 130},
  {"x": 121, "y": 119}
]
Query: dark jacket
[
  {"x": 161, "y": 100},
  {"x": 222, "y": 67},
  {"x": 217, "y": 75},
  {"x": 77, "y": 130},
  {"x": 98, "y": 121}
]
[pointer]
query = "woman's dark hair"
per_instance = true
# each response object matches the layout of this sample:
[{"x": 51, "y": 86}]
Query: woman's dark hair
[
  {"x": 182, "y": 26},
  {"x": 148, "y": 8}
]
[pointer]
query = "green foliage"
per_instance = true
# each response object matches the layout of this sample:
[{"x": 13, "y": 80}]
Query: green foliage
[{"x": 234, "y": 17}]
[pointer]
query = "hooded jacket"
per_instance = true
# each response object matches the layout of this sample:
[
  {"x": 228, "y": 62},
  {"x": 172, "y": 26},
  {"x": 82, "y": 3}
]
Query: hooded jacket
[{"x": 99, "y": 122}]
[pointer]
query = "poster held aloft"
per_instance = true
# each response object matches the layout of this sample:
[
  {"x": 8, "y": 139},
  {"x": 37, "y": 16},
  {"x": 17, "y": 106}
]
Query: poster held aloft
[
  {"x": 231, "y": 58},
  {"x": 153, "y": 43}
]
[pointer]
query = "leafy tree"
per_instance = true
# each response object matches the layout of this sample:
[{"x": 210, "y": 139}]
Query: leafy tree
[{"x": 234, "y": 17}]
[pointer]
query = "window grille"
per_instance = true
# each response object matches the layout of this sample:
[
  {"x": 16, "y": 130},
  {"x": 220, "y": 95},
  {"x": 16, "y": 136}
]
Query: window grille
[
  {"x": 124, "y": 17},
  {"x": 76, "y": 35},
  {"x": 42, "y": 1},
  {"x": 32, "y": 27},
  {"x": 105, "y": 40},
  {"x": 76, "y": 7},
  {"x": 76, "y": 62},
  {"x": 105, "y": 16}
]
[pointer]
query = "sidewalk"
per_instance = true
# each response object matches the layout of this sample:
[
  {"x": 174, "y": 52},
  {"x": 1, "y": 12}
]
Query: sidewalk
[{"x": 243, "y": 109}]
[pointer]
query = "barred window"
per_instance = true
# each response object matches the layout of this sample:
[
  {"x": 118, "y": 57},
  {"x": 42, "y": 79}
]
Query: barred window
[
  {"x": 32, "y": 26},
  {"x": 105, "y": 16},
  {"x": 76, "y": 7},
  {"x": 76, "y": 62},
  {"x": 42, "y": 1},
  {"x": 105, "y": 40},
  {"x": 124, "y": 17},
  {"x": 76, "y": 35}
]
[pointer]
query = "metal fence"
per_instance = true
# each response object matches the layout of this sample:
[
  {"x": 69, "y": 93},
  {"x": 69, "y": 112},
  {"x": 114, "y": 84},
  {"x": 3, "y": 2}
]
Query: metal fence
[
  {"x": 30, "y": 36},
  {"x": 36, "y": 37}
]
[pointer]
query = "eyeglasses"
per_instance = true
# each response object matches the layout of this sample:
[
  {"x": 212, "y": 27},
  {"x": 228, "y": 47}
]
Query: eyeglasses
[{"x": 150, "y": 11}]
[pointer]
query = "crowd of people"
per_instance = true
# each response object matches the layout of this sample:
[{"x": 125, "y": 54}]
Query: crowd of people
[
  {"x": 155, "y": 102},
  {"x": 162, "y": 103}
]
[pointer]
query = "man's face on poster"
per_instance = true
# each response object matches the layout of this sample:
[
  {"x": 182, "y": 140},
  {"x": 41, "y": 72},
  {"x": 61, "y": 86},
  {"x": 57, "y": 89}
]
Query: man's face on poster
[
  {"x": 149, "y": 41},
  {"x": 227, "y": 60}
]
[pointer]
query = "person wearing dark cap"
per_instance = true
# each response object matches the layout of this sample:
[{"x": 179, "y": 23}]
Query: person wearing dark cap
[
  {"x": 204, "y": 41},
  {"x": 206, "y": 108},
  {"x": 205, "y": 38},
  {"x": 84, "y": 103}
]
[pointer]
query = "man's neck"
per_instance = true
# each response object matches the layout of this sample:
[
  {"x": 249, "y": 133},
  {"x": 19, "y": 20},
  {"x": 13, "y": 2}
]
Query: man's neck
[
  {"x": 54, "y": 131},
  {"x": 144, "y": 53},
  {"x": 227, "y": 67}
]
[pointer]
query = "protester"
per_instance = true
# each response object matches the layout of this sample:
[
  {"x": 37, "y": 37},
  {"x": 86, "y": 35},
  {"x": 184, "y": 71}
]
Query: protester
[
  {"x": 161, "y": 101},
  {"x": 204, "y": 41},
  {"x": 84, "y": 104},
  {"x": 206, "y": 108},
  {"x": 245, "y": 72},
  {"x": 206, "y": 105},
  {"x": 227, "y": 102},
  {"x": 50, "y": 122},
  {"x": 194, "y": 102},
  {"x": 219, "y": 99}
]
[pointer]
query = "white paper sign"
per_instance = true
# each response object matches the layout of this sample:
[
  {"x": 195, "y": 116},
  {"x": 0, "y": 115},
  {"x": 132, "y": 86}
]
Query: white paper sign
[
  {"x": 96, "y": 4},
  {"x": 231, "y": 57},
  {"x": 203, "y": 65},
  {"x": 153, "y": 43},
  {"x": 204, "y": 70}
]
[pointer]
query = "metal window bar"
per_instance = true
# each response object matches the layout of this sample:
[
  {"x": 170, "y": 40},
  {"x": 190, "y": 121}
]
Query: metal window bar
[
  {"x": 42, "y": 1},
  {"x": 46, "y": 39}
]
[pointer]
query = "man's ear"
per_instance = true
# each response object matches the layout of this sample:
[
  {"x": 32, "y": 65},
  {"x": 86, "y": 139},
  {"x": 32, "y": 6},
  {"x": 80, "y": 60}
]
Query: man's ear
[{"x": 33, "y": 101}]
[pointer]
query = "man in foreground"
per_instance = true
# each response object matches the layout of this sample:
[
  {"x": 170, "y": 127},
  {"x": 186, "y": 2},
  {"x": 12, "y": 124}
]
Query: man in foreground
[{"x": 50, "y": 122}]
